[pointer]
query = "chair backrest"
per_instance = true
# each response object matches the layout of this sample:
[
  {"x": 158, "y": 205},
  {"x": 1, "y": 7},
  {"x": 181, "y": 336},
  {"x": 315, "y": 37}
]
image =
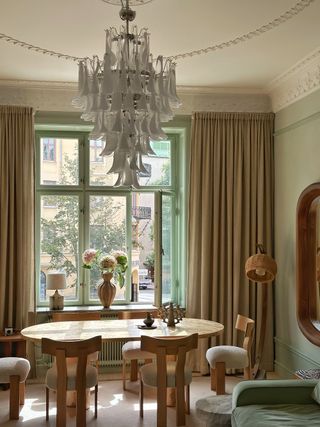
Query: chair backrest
[
  {"x": 75, "y": 349},
  {"x": 245, "y": 325},
  {"x": 136, "y": 314},
  {"x": 64, "y": 316},
  {"x": 169, "y": 346}
]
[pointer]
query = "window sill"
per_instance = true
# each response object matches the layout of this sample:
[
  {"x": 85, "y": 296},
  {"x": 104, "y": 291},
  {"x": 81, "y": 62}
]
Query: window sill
[{"x": 113, "y": 309}]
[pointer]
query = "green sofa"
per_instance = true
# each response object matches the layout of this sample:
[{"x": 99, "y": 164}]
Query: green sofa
[{"x": 276, "y": 403}]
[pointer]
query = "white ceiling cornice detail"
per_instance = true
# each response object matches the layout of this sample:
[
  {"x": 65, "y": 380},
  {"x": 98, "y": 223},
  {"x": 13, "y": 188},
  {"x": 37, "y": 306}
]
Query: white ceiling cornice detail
[
  {"x": 296, "y": 83},
  {"x": 57, "y": 96}
]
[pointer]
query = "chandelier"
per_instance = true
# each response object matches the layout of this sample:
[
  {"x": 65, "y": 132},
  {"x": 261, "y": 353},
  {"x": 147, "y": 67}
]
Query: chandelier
[{"x": 127, "y": 95}]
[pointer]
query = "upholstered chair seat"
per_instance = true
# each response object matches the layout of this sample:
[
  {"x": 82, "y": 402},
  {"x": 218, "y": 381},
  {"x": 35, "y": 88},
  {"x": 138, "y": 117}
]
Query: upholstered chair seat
[
  {"x": 131, "y": 352},
  {"x": 14, "y": 371},
  {"x": 149, "y": 374},
  {"x": 232, "y": 356},
  {"x": 52, "y": 375},
  {"x": 224, "y": 357}
]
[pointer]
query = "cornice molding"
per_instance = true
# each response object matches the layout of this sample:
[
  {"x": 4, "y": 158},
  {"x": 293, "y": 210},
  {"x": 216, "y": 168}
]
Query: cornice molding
[
  {"x": 57, "y": 96},
  {"x": 35, "y": 84},
  {"x": 299, "y": 81}
]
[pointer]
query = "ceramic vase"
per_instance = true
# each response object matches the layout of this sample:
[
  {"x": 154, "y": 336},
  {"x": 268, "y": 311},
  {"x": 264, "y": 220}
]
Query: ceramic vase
[{"x": 107, "y": 290}]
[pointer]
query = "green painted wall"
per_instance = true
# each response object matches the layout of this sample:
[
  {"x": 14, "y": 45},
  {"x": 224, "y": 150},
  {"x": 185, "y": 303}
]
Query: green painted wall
[{"x": 297, "y": 164}]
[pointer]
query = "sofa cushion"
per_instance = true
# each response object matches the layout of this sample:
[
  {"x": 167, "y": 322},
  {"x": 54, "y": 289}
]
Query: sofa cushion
[
  {"x": 293, "y": 415},
  {"x": 316, "y": 393}
]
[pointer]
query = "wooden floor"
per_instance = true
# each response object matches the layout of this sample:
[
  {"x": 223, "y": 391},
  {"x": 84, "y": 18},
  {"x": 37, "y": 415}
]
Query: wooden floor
[{"x": 116, "y": 408}]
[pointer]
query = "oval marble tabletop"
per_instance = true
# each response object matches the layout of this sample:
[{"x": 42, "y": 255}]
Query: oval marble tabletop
[{"x": 112, "y": 330}]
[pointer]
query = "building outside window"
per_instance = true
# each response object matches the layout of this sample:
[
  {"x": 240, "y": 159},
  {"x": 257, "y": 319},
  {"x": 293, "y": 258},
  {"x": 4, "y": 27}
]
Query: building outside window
[
  {"x": 78, "y": 208},
  {"x": 49, "y": 149}
]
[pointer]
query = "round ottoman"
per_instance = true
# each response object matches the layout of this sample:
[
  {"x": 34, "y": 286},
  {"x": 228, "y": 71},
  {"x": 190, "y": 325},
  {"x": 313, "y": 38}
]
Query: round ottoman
[{"x": 215, "y": 410}]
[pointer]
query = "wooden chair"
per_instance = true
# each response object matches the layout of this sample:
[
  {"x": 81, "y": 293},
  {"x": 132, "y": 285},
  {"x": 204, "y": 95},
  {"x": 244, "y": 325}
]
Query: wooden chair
[
  {"x": 63, "y": 377},
  {"x": 131, "y": 351},
  {"x": 14, "y": 371},
  {"x": 80, "y": 315},
  {"x": 225, "y": 357},
  {"x": 164, "y": 373}
]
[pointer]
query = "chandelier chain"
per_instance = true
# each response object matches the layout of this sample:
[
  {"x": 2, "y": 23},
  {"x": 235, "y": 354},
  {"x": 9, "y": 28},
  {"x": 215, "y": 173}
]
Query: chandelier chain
[{"x": 286, "y": 16}]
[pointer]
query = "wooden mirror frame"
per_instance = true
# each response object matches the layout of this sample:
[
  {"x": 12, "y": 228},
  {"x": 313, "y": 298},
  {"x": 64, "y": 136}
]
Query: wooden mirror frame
[{"x": 306, "y": 262}]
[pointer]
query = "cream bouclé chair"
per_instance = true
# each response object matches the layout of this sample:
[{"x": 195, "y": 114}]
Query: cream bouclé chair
[
  {"x": 224, "y": 357},
  {"x": 14, "y": 371},
  {"x": 131, "y": 351}
]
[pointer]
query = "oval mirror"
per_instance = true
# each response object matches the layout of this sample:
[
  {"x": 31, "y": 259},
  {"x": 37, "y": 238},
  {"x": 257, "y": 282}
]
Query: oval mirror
[{"x": 308, "y": 263}]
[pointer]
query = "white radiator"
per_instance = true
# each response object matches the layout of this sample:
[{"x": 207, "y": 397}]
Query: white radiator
[{"x": 111, "y": 354}]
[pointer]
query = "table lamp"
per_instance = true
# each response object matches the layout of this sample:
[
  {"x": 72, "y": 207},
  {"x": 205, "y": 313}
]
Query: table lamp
[
  {"x": 262, "y": 269},
  {"x": 56, "y": 281}
]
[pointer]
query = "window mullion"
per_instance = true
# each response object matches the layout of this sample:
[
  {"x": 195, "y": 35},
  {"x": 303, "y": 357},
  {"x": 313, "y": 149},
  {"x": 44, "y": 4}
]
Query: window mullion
[{"x": 158, "y": 248}]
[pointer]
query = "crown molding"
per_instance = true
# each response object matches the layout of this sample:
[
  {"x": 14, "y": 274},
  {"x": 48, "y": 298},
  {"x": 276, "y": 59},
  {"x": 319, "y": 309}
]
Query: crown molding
[
  {"x": 300, "y": 80},
  {"x": 37, "y": 84},
  {"x": 211, "y": 90},
  {"x": 57, "y": 96}
]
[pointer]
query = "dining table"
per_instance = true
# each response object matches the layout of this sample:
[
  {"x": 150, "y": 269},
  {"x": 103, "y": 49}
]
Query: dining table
[{"x": 121, "y": 330}]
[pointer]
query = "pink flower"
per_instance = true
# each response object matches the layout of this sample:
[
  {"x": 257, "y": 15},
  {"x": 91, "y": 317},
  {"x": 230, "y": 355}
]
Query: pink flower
[{"x": 88, "y": 256}]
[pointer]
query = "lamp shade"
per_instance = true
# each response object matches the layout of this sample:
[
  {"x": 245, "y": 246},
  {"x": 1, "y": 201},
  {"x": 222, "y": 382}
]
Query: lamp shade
[
  {"x": 56, "y": 281},
  {"x": 261, "y": 268}
]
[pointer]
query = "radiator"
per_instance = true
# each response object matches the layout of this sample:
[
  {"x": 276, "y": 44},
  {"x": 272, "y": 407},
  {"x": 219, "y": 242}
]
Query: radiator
[
  {"x": 111, "y": 354},
  {"x": 109, "y": 357}
]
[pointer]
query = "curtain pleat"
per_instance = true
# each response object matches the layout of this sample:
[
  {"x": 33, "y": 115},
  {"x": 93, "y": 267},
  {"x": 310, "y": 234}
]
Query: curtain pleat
[
  {"x": 230, "y": 211},
  {"x": 16, "y": 215}
]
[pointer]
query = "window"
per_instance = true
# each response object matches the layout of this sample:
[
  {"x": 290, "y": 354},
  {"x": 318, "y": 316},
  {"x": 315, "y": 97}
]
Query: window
[{"x": 78, "y": 208}]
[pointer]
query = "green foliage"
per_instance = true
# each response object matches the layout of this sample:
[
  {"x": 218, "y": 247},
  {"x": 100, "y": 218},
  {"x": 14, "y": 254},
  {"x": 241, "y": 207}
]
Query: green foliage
[
  {"x": 149, "y": 262},
  {"x": 60, "y": 234}
]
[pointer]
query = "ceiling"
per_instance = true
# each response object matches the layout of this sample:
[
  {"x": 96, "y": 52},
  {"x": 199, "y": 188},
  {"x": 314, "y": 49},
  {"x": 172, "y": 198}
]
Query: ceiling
[{"x": 76, "y": 27}]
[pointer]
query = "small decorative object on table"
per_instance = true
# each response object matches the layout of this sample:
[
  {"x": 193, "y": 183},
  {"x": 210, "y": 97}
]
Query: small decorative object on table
[
  {"x": 148, "y": 321},
  {"x": 113, "y": 265},
  {"x": 171, "y": 313}
]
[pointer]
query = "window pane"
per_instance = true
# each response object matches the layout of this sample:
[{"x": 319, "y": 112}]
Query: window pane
[
  {"x": 59, "y": 242},
  {"x": 158, "y": 166},
  {"x": 99, "y": 166},
  {"x": 59, "y": 160},
  {"x": 167, "y": 231},
  {"x": 107, "y": 232},
  {"x": 142, "y": 277}
]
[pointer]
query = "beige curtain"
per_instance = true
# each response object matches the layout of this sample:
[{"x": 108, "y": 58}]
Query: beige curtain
[
  {"x": 16, "y": 215},
  {"x": 230, "y": 211}
]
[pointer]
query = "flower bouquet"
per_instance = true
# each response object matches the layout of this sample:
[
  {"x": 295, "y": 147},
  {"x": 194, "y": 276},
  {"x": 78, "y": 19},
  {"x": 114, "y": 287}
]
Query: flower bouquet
[{"x": 116, "y": 263}]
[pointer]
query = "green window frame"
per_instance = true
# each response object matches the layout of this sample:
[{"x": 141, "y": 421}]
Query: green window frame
[{"x": 175, "y": 192}]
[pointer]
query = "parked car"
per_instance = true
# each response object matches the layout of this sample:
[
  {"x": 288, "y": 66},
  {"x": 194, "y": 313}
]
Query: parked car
[{"x": 144, "y": 279}]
